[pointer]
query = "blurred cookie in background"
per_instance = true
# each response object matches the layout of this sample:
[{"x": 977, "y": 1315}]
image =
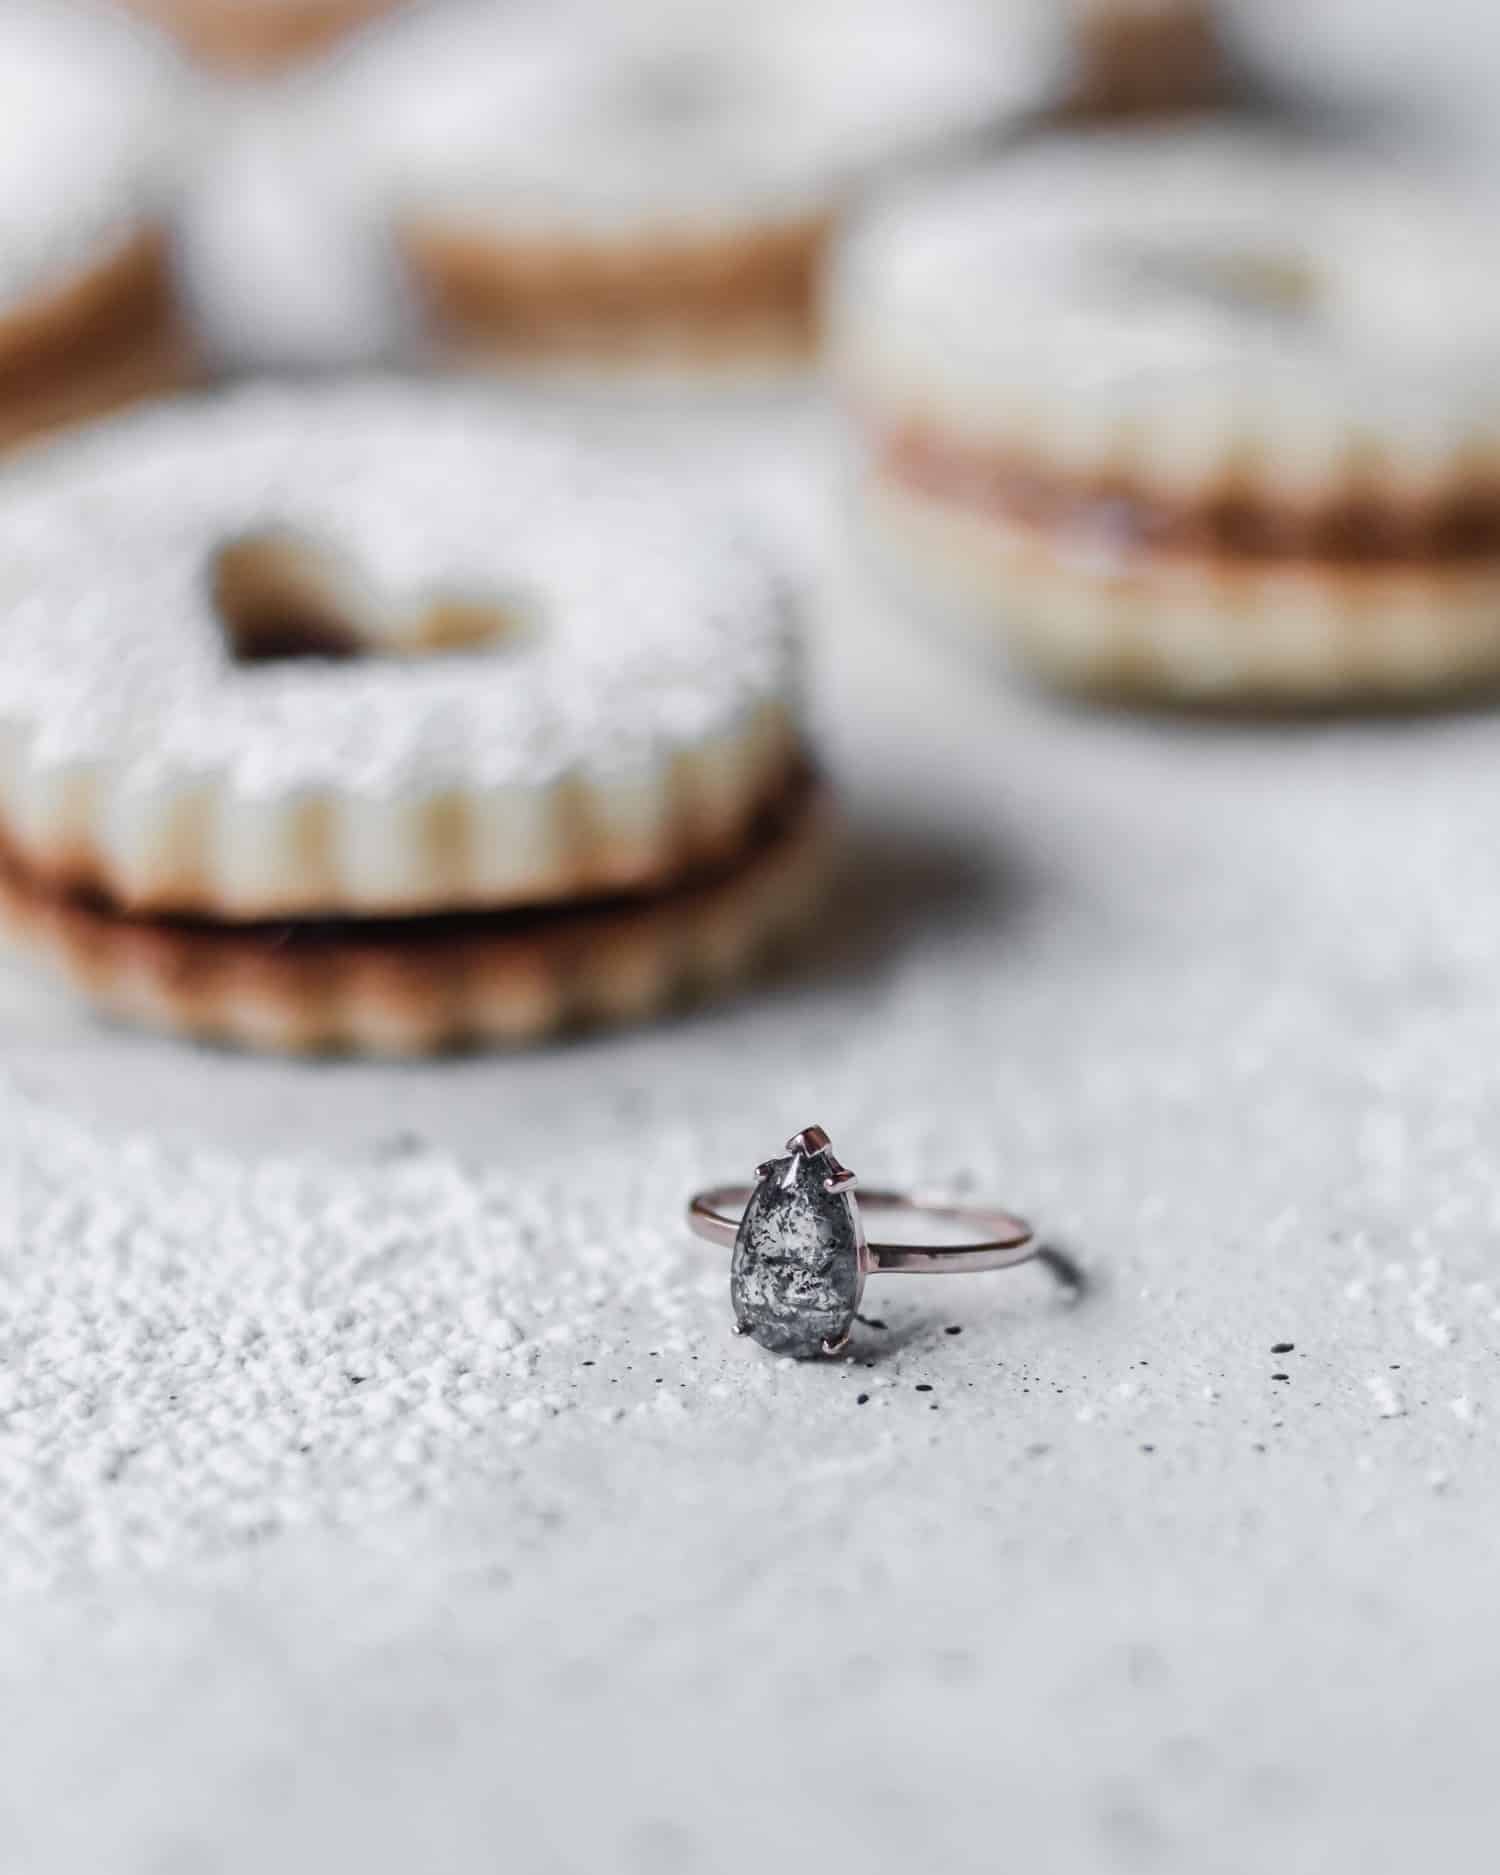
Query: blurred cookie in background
[
  {"x": 94, "y": 118},
  {"x": 375, "y": 719},
  {"x": 568, "y": 184},
  {"x": 258, "y": 35},
  {"x": 1144, "y": 56},
  {"x": 1201, "y": 417},
  {"x": 283, "y": 262}
]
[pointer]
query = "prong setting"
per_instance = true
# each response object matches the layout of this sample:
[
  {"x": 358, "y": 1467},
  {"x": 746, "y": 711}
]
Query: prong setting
[
  {"x": 799, "y": 1255},
  {"x": 809, "y": 1142},
  {"x": 813, "y": 1143}
]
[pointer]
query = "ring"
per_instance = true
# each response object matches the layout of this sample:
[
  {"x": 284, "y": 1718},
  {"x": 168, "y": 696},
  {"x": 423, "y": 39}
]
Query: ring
[{"x": 801, "y": 1255}]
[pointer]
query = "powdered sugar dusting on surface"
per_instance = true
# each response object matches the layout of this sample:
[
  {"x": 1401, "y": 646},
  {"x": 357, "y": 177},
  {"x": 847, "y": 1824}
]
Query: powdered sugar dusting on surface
[
  {"x": 275, "y": 1327},
  {"x": 655, "y": 626}
]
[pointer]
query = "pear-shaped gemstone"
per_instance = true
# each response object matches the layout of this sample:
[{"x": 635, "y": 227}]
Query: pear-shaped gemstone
[{"x": 796, "y": 1275}]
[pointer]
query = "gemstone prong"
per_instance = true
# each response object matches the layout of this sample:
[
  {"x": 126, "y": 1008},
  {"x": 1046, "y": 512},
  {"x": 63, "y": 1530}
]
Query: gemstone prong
[{"x": 809, "y": 1142}]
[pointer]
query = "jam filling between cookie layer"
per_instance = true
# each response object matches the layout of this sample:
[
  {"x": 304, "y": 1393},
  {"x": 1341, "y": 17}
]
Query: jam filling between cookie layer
[
  {"x": 1116, "y": 516},
  {"x": 88, "y": 906}
]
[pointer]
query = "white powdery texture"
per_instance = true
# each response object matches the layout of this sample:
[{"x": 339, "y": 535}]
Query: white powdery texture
[{"x": 196, "y": 1352}]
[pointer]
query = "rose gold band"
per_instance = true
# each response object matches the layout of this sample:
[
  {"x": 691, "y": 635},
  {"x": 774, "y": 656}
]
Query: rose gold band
[{"x": 1004, "y": 1239}]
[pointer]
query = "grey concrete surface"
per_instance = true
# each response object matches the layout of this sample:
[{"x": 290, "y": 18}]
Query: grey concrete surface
[{"x": 380, "y": 1487}]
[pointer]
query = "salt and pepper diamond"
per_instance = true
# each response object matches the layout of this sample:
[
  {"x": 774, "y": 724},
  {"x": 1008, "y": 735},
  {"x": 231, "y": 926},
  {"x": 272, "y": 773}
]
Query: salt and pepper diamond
[{"x": 799, "y": 1256}]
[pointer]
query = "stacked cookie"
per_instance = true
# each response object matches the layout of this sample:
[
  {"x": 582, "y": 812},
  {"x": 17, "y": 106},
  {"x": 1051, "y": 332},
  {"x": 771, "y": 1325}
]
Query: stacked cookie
[
  {"x": 93, "y": 117},
  {"x": 576, "y": 183},
  {"x": 1200, "y": 416},
  {"x": 371, "y": 721}
]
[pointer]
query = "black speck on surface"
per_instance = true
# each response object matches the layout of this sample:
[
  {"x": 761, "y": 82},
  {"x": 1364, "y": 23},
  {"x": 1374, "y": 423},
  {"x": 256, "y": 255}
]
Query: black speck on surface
[
  {"x": 863, "y": 1400},
  {"x": 1282, "y": 1347},
  {"x": 1148, "y": 1448},
  {"x": 923, "y": 1387},
  {"x": 1281, "y": 1376},
  {"x": 872, "y": 1321},
  {"x": 587, "y": 1363},
  {"x": 955, "y": 1328}
]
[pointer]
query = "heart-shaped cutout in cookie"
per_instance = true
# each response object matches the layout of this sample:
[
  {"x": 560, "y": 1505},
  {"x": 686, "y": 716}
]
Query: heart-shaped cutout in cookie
[{"x": 280, "y": 595}]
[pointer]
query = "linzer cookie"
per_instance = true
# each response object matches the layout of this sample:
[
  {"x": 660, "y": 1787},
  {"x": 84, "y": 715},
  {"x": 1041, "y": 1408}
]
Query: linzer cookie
[
  {"x": 259, "y": 35},
  {"x": 366, "y": 687},
  {"x": 1196, "y": 417},
  {"x": 415, "y": 986},
  {"x": 576, "y": 183},
  {"x": 92, "y": 117}
]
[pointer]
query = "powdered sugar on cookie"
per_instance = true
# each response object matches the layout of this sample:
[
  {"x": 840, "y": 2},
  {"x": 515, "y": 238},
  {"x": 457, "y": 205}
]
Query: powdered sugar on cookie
[
  {"x": 587, "y": 115},
  {"x": 1166, "y": 304},
  {"x": 585, "y": 677}
]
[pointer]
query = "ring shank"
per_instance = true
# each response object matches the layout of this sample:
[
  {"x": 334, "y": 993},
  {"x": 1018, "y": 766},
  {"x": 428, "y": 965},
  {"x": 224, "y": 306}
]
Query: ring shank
[{"x": 715, "y": 1215}]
